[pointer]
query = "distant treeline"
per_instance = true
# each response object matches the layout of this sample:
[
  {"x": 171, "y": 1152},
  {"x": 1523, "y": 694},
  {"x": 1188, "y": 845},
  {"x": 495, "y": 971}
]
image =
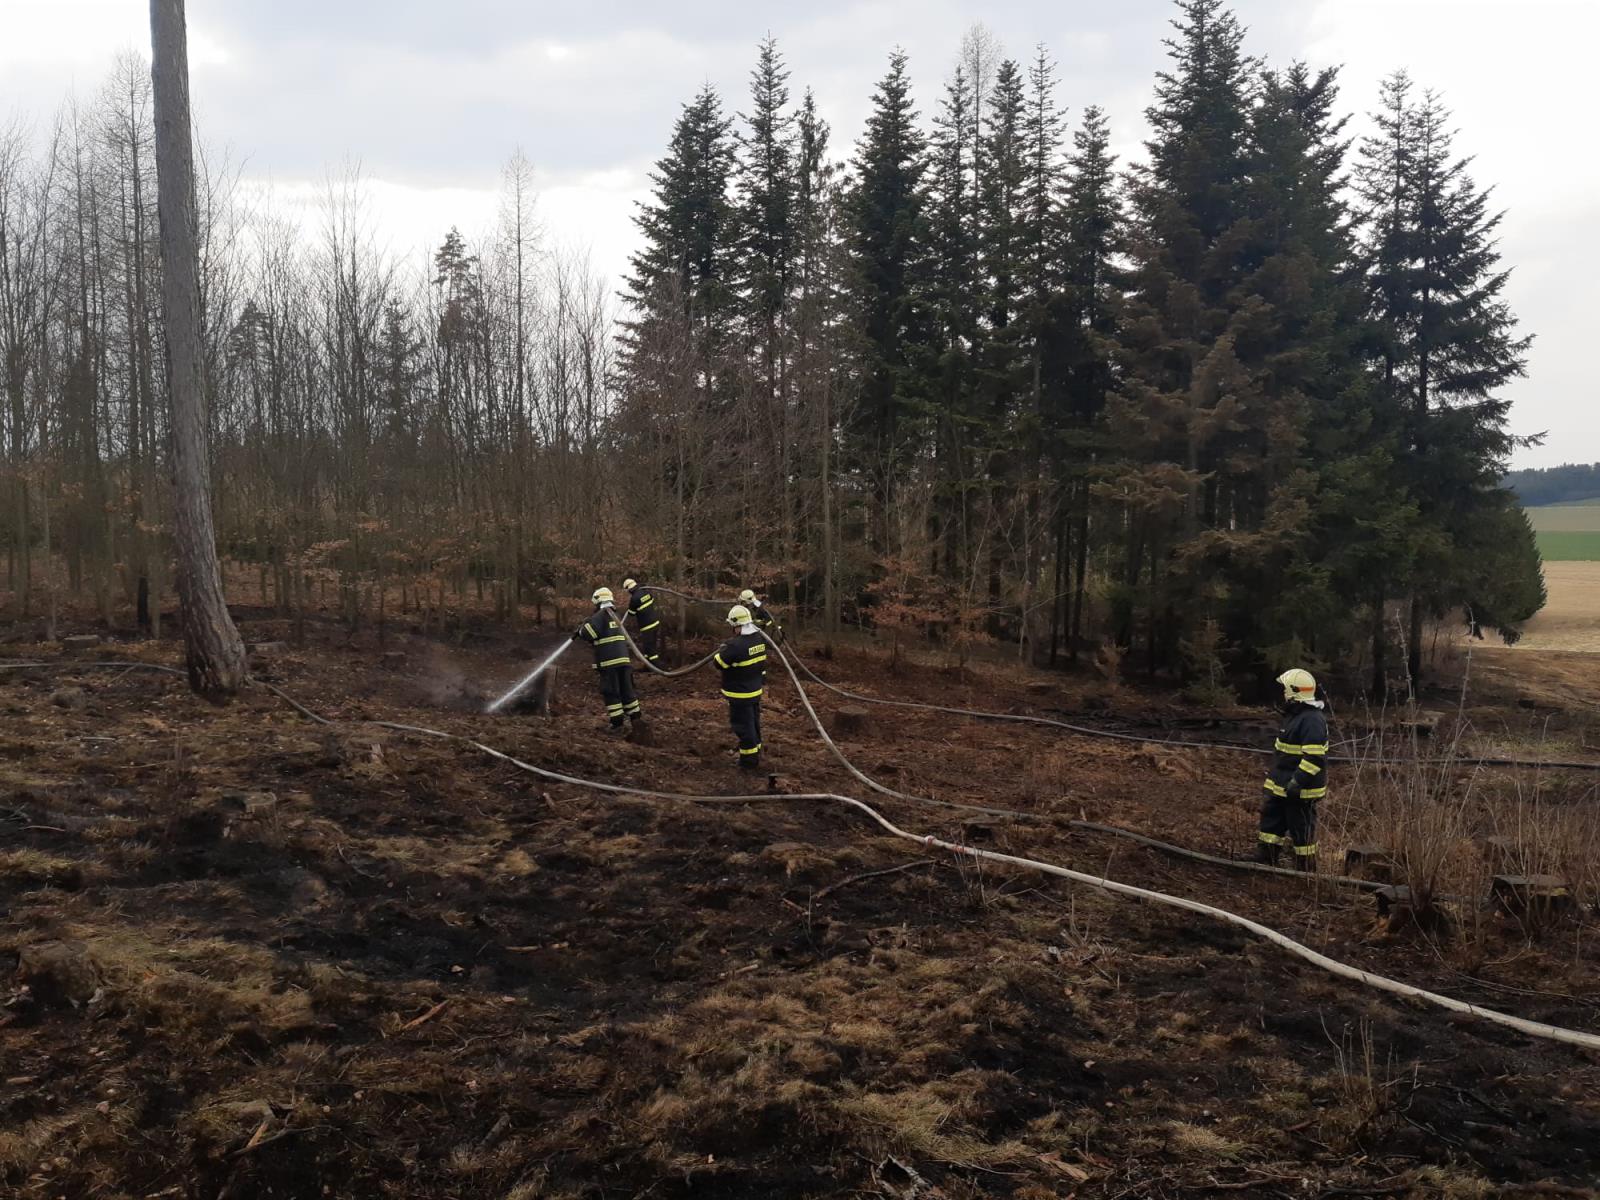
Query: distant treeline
[{"x": 1555, "y": 485}]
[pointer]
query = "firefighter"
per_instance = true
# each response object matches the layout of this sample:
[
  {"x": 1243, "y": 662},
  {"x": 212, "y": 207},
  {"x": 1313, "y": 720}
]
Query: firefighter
[
  {"x": 646, "y": 619},
  {"x": 764, "y": 620},
  {"x": 743, "y": 661},
  {"x": 1298, "y": 777},
  {"x": 604, "y": 632}
]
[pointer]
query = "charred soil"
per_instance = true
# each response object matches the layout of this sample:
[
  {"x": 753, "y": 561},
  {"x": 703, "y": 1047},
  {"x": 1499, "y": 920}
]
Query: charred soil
[{"x": 249, "y": 956}]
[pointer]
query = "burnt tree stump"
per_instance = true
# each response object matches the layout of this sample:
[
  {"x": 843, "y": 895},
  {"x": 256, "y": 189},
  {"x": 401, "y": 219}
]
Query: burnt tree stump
[
  {"x": 1502, "y": 852},
  {"x": 850, "y": 722},
  {"x": 59, "y": 972},
  {"x": 1371, "y": 862},
  {"x": 1542, "y": 897},
  {"x": 1424, "y": 724},
  {"x": 536, "y": 697}
]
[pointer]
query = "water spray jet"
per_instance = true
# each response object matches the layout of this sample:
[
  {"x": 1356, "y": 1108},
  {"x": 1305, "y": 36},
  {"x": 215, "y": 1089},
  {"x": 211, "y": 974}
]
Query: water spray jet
[{"x": 518, "y": 688}]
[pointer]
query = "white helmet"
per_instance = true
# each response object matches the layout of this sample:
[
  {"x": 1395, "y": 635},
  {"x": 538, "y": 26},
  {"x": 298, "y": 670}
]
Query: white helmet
[
  {"x": 630, "y": 584},
  {"x": 738, "y": 615},
  {"x": 1298, "y": 685},
  {"x": 748, "y": 596},
  {"x": 602, "y": 597}
]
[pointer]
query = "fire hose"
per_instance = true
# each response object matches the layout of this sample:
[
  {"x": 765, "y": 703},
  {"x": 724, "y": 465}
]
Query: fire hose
[{"x": 1540, "y": 1029}]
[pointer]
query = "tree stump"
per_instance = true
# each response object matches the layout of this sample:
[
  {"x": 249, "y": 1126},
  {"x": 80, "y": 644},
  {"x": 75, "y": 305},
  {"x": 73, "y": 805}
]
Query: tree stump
[
  {"x": 850, "y": 722},
  {"x": 1539, "y": 896},
  {"x": 59, "y": 972},
  {"x": 1502, "y": 852},
  {"x": 1423, "y": 724},
  {"x": 269, "y": 649},
  {"x": 1371, "y": 862},
  {"x": 75, "y": 699},
  {"x": 260, "y": 806},
  {"x": 536, "y": 697},
  {"x": 980, "y": 829},
  {"x": 1042, "y": 687},
  {"x": 80, "y": 641}
]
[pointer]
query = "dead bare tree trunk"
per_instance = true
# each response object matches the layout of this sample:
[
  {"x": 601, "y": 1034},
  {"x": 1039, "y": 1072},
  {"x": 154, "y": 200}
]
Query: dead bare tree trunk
[{"x": 214, "y": 651}]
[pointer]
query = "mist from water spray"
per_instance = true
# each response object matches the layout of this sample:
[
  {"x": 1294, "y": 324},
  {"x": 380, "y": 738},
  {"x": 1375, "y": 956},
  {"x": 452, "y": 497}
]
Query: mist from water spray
[{"x": 516, "y": 690}]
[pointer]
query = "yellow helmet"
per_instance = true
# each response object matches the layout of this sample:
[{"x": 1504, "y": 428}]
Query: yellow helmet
[
  {"x": 630, "y": 584},
  {"x": 1298, "y": 685},
  {"x": 738, "y": 615},
  {"x": 747, "y": 596},
  {"x": 602, "y": 597}
]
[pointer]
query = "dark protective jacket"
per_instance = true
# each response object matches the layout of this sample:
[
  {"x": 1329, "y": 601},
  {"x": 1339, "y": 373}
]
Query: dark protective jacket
[
  {"x": 743, "y": 660},
  {"x": 762, "y": 619},
  {"x": 643, "y": 609},
  {"x": 604, "y": 632},
  {"x": 1300, "y": 762}
]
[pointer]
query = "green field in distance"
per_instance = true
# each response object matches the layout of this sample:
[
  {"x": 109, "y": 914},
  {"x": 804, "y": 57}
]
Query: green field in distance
[
  {"x": 1574, "y": 545},
  {"x": 1568, "y": 532},
  {"x": 1566, "y": 518}
]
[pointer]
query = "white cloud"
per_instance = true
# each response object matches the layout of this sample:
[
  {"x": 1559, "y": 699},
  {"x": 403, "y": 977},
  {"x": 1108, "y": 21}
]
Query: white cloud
[
  {"x": 588, "y": 212},
  {"x": 44, "y": 35}
]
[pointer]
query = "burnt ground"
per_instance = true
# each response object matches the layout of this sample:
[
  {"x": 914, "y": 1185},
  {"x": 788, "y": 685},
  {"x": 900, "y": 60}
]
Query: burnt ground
[{"x": 419, "y": 972}]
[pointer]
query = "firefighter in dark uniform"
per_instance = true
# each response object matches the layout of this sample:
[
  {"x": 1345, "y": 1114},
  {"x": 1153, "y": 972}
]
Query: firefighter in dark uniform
[
  {"x": 764, "y": 620},
  {"x": 604, "y": 632},
  {"x": 1298, "y": 777},
  {"x": 646, "y": 614},
  {"x": 743, "y": 662}
]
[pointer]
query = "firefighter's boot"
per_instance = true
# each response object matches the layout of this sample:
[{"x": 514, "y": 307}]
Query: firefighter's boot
[
  {"x": 1306, "y": 862},
  {"x": 1267, "y": 853}
]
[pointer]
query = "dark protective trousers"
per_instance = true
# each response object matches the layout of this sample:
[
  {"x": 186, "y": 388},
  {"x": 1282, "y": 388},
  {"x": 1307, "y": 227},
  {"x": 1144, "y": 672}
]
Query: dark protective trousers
[
  {"x": 650, "y": 643},
  {"x": 1289, "y": 822},
  {"x": 745, "y": 718},
  {"x": 616, "y": 689}
]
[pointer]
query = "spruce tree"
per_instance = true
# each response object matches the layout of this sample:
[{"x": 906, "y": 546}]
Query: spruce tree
[
  {"x": 677, "y": 340},
  {"x": 818, "y": 332},
  {"x": 1296, "y": 340},
  {"x": 1081, "y": 356},
  {"x": 1003, "y": 365},
  {"x": 685, "y": 270},
  {"x": 1178, "y": 389},
  {"x": 1446, "y": 341},
  {"x": 765, "y": 186},
  {"x": 953, "y": 303},
  {"x": 1043, "y": 311},
  {"x": 888, "y": 286}
]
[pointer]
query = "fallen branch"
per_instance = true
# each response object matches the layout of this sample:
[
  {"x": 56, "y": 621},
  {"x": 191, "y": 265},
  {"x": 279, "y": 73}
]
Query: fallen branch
[
  {"x": 258, "y": 1135},
  {"x": 833, "y": 887},
  {"x": 425, "y": 1017}
]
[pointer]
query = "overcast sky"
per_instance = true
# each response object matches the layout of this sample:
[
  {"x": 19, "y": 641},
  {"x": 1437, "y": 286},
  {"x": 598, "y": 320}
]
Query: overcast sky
[{"x": 432, "y": 97}]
